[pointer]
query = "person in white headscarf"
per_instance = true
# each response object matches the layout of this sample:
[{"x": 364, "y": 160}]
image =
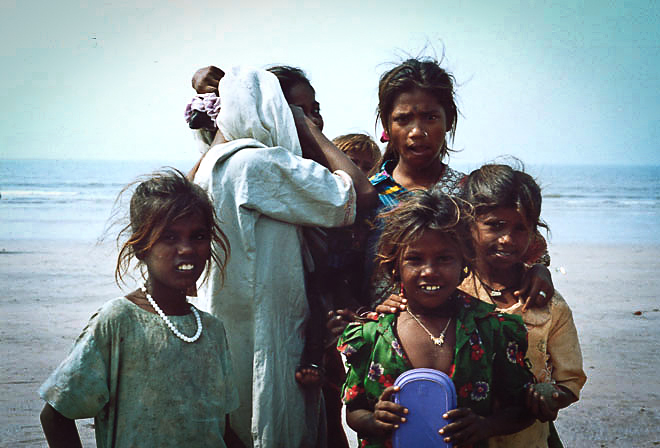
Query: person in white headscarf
[{"x": 266, "y": 172}]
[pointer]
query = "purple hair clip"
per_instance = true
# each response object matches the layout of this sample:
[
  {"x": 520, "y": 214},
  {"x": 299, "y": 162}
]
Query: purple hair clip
[{"x": 206, "y": 103}]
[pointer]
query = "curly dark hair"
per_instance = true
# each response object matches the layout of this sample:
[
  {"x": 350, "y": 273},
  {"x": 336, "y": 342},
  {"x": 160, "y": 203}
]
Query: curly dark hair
[{"x": 419, "y": 211}]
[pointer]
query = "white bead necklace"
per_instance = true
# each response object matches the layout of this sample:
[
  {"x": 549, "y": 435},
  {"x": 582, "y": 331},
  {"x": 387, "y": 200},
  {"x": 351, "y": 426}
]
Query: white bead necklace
[{"x": 169, "y": 323}]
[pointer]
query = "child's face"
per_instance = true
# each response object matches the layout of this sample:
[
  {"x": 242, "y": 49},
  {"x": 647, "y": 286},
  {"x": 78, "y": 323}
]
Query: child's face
[
  {"x": 501, "y": 237},
  {"x": 362, "y": 159},
  {"x": 430, "y": 269},
  {"x": 303, "y": 96},
  {"x": 178, "y": 257},
  {"x": 418, "y": 124}
]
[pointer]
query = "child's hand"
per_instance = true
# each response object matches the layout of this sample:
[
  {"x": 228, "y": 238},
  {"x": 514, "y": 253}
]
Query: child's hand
[
  {"x": 392, "y": 304},
  {"x": 536, "y": 288},
  {"x": 544, "y": 400},
  {"x": 387, "y": 415},
  {"x": 466, "y": 428},
  {"x": 206, "y": 80},
  {"x": 338, "y": 320}
]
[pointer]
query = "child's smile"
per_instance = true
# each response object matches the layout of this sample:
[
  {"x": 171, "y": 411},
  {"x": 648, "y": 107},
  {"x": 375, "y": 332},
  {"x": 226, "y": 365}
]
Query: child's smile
[
  {"x": 430, "y": 269},
  {"x": 501, "y": 237},
  {"x": 178, "y": 257}
]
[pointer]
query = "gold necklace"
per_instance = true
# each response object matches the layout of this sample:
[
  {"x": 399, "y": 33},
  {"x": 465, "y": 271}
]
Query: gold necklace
[{"x": 436, "y": 340}]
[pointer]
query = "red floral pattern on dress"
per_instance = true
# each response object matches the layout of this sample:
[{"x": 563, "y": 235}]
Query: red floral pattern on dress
[
  {"x": 386, "y": 380},
  {"x": 352, "y": 392},
  {"x": 465, "y": 390},
  {"x": 477, "y": 352}
]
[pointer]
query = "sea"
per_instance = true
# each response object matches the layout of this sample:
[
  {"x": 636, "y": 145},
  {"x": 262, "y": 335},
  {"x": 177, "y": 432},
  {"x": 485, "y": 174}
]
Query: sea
[{"x": 76, "y": 200}]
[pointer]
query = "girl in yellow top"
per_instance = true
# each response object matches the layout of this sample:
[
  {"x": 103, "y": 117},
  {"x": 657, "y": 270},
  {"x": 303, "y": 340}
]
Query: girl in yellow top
[{"x": 507, "y": 208}]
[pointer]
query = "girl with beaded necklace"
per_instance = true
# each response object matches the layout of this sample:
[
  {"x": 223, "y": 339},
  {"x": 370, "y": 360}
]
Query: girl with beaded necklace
[
  {"x": 423, "y": 251},
  {"x": 149, "y": 367}
]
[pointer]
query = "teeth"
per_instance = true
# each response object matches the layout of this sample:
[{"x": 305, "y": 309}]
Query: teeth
[
  {"x": 186, "y": 267},
  {"x": 430, "y": 287}
]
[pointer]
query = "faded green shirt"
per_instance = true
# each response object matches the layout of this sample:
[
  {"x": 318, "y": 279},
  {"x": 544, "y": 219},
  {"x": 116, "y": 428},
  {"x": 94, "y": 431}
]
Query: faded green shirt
[{"x": 144, "y": 386}]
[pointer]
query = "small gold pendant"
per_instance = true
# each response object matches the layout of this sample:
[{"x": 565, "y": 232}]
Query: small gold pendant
[{"x": 439, "y": 340}]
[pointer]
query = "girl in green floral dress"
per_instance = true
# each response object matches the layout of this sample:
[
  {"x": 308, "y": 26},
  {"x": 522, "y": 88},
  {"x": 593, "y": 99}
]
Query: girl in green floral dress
[{"x": 422, "y": 251}]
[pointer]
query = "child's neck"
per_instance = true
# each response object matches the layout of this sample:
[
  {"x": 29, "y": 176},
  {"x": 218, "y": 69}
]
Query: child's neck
[
  {"x": 412, "y": 178},
  {"x": 173, "y": 303},
  {"x": 501, "y": 281}
]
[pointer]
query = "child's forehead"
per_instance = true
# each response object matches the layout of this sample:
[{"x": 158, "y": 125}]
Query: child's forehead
[
  {"x": 431, "y": 239},
  {"x": 194, "y": 218},
  {"x": 508, "y": 213}
]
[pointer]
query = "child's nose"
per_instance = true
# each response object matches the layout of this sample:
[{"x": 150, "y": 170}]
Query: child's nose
[{"x": 184, "y": 247}]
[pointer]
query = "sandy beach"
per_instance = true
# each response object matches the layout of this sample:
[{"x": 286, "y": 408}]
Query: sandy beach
[{"x": 52, "y": 287}]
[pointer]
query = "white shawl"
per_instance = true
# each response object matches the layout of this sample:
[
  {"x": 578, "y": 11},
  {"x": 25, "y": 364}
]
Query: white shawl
[{"x": 263, "y": 191}]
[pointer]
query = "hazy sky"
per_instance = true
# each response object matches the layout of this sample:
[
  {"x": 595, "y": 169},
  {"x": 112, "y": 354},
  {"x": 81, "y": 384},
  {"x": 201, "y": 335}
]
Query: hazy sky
[{"x": 561, "y": 81}]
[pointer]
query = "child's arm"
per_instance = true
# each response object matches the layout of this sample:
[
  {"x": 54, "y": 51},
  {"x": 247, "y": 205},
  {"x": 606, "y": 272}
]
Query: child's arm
[
  {"x": 317, "y": 147},
  {"x": 537, "y": 288},
  {"x": 468, "y": 427},
  {"x": 544, "y": 400},
  {"x": 59, "y": 430},
  {"x": 385, "y": 417}
]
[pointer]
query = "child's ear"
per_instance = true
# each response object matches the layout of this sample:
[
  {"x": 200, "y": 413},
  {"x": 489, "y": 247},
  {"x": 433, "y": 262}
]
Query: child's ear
[{"x": 465, "y": 272}]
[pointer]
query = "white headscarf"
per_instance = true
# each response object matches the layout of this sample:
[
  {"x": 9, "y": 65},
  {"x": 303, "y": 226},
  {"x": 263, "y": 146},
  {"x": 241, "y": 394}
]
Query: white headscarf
[{"x": 253, "y": 106}]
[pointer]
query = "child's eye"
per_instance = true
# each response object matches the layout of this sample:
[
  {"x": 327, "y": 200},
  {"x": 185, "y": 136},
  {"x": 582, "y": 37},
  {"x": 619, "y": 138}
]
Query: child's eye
[
  {"x": 167, "y": 236},
  {"x": 202, "y": 236}
]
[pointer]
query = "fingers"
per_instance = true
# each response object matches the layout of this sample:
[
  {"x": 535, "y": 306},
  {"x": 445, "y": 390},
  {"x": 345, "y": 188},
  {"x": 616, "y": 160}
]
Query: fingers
[
  {"x": 387, "y": 414},
  {"x": 392, "y": 304},
  {"x": 464, "y": 427}
]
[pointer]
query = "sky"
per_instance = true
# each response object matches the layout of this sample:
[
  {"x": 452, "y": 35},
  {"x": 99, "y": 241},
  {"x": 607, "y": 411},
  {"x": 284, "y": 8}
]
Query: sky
[{"x": 549, "y": 82}]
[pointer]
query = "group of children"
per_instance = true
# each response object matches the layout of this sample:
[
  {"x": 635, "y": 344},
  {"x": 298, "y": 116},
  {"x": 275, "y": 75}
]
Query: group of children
[{"x": 155, "y": 371}]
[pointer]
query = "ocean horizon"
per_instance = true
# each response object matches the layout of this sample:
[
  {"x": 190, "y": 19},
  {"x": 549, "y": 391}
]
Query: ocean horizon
[{"x": 73, "y": 199}]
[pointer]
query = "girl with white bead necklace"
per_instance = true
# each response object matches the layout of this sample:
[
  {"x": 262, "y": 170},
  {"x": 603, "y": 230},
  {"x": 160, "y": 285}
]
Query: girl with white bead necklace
[{"x": 150, "y": 366}]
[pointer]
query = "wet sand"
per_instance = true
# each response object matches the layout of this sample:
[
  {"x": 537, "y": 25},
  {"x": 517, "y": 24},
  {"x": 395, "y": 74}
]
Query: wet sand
[{"x": 52, "y": 287}]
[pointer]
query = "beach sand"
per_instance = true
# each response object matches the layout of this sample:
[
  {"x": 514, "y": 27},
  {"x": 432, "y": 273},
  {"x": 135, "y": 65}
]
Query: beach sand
[{"x": 52, "y": 288}]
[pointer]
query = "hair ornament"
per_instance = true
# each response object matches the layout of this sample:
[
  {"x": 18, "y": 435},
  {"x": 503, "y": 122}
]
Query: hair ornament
[
  {"x": 384, "y": 138},
  {"x": 207, "y": 103}
]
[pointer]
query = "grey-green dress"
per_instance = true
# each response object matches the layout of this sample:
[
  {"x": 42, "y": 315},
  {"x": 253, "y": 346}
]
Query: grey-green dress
[{"x": 144, "y": 386}]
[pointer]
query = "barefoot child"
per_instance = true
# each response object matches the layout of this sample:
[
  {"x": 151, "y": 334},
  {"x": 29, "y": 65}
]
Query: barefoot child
[
  {"x": 422, "y": 250},
  {"x": 507, "y": 209},
  {"x": 149, "y": 367}
]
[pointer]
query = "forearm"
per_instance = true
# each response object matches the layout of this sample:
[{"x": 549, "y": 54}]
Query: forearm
[
  {"x": 323, "y": 151},
  {"x": 59, "y": 430}
]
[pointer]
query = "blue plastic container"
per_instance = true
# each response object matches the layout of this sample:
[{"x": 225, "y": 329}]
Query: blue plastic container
[{"x": 428, "y": 394}]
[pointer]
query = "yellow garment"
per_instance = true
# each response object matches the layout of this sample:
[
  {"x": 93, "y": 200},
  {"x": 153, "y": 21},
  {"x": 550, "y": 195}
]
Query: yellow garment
[{"x": 553, "y": 350}]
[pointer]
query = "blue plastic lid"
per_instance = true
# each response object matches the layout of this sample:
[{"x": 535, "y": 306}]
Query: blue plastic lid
[{"x": 428, "y": 394}]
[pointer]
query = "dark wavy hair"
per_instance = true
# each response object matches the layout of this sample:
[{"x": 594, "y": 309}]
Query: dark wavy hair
[
  {"x": 288, "y": 77},
  {"x": 419, "y": 211},
  {"x": 416, "y": 73},
  {"x": 497, "y": 185},
  {"x": 157, "y": 201}
]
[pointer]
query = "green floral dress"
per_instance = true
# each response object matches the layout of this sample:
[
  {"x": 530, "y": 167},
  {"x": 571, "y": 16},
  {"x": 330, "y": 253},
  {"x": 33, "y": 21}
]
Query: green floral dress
[{"x": 489, "y": 360}]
